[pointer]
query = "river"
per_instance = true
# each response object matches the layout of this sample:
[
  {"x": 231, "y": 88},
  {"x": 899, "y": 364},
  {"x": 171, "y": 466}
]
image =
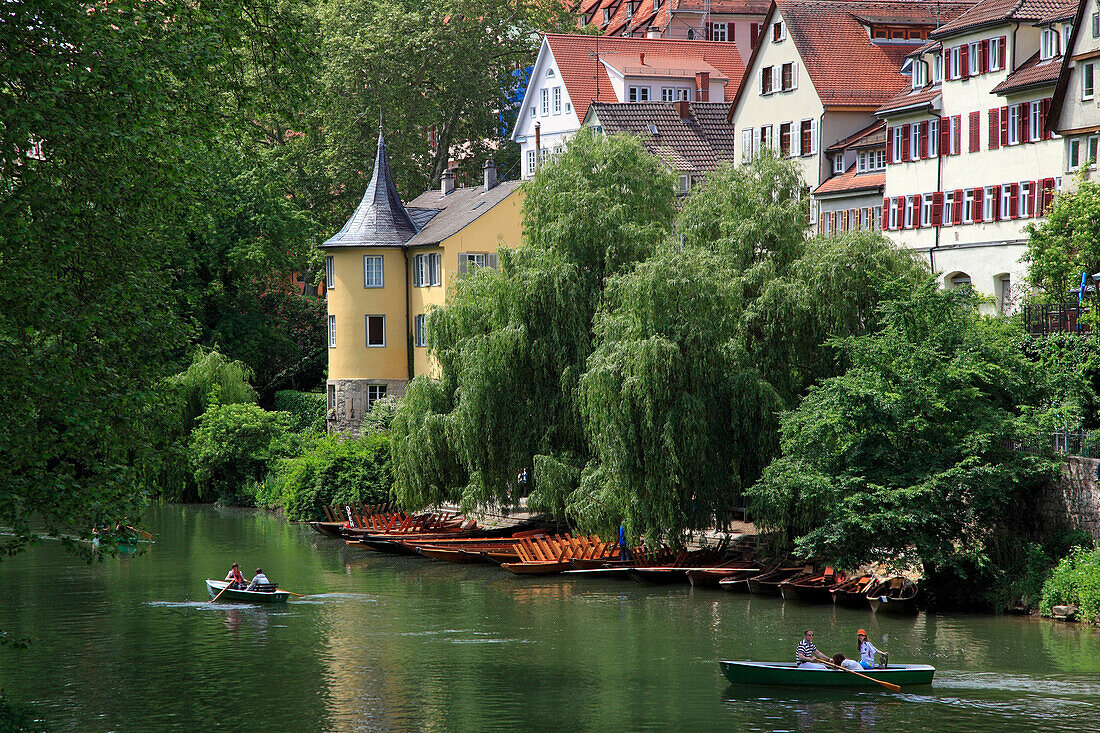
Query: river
[{"x": 384, "y": 643}]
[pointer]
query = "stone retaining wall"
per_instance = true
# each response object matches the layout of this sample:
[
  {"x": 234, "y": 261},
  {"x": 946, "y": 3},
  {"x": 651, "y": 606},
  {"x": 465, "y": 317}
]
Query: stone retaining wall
[{"x": 1073, "y": 501}]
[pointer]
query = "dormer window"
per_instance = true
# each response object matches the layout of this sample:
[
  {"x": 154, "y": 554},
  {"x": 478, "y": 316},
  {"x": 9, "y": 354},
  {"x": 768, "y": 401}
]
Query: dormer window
[
  {"x": 920, "y": 74},
  {"x": 606, "y": 15},
  {"x": 838, "y": 164},
  {"x": 549, "y": 73},
  {"x": 691, "y": 34},
  {"x": 630, "y": 10},
  {"x": 779, "y": 32},
  {"x": 1049, "y": 47},
  {"x": 937, "y": 68}
]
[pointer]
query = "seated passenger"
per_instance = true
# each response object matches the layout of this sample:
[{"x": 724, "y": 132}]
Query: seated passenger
[
  {"x": 235, "y": 578},
  {"x": 261, "y": 583},
  {"x": 840, "y": 661},
  {"x": 867, "y": 651},
  {"x": 806, "y": 653}
]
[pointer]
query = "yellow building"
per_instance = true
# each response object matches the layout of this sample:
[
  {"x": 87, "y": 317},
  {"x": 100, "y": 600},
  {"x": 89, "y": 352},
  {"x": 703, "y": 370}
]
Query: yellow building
[{"x": 389, "y": 265}]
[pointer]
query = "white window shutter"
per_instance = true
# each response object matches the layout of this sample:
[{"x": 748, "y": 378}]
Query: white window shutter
[
  {"x": 491, "y": 260},
  {"x": 461, "y": 263},
  {"x": 813, "y": 137},
  {"x": 794, "y": 76},
  {"x": 796, "y": 140},
  {"x": 777, "y": 78},
  {"x": 760, "y": 83},
  {"x": 746, "y": 145},
  {"x": 417, "y": 282}
]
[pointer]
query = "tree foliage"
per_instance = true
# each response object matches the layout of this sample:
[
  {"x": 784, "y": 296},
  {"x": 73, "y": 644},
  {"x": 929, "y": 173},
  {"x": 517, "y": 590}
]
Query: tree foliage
[
  {"x": 232, "y": 448},
  {"x": 1065, "y": 244},
  {"x": 912, "y": 455}
]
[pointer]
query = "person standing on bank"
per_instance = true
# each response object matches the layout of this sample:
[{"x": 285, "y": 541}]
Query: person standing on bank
[
  {"x": 806, "y": 653},
  {"x": 867, "y": 651}
]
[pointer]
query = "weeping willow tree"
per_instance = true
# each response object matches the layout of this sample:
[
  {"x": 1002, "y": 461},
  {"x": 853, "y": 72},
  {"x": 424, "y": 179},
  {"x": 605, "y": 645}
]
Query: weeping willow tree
[{"x": 513, "y": 343}]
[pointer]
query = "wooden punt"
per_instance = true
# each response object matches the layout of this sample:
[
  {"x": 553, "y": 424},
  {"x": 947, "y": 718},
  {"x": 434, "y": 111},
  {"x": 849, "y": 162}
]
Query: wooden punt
[
  {"x": 788, "y": 673},
  {"x": 214, "y": 587},
  {"x": 711, "y": 577},
  {"x": 767, "y": 584},
  {"x": 814, "y": 589},
  {"x": 328, "y": 529},
  {"x": 897, "y": 596},
  {"x": 552, "y": 554},
  {"x": 853, "y": 591}
]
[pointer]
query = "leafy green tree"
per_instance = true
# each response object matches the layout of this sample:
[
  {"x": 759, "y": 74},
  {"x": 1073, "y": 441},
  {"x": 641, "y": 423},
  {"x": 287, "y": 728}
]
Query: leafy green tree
[
  {"x": 1065, "y": 244},
  {"x": 513, "y": 343},
  {"x": 232, "y": 448},
  {"x": 913, "y": 455}
]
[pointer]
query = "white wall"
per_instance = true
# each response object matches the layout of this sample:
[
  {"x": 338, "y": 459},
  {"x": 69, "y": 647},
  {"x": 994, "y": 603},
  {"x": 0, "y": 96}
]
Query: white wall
[{"x": 554, "y": 129}]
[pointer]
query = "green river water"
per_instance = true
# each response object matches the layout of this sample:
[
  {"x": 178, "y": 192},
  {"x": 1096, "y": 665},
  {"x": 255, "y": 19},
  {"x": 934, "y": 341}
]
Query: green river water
[{"x": 385, "y": 643}]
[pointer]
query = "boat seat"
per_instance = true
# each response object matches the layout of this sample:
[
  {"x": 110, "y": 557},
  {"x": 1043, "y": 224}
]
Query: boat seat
[{"x": 264, "y": 588}]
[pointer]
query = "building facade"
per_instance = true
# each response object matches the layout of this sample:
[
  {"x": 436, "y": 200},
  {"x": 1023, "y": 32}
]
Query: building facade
[
  {"x": 572, "y": 72},
  {"x": 389, "y": 265},
  {"x": 1075, "y": 106}
]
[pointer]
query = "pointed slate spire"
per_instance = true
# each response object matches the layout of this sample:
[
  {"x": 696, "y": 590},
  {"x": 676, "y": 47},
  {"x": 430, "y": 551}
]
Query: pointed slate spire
[{"x": 380, "y": 220}]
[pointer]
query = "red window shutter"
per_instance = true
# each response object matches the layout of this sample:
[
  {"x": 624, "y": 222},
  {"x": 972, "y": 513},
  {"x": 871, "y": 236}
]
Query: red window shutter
[
  {"x": 1048, "y": 194},
  {"x": 1003, "y": 46},
  {"x": 975, "y": 132},
  {"x": 996, "y": 203},
  {"x": 754, "y": 33},
  {"x": 889, "y": 145},
  {"x": 1004, "y": 126},
  {"x": 979, "y": 203},
  {"x": 937, "y": 208},
  {"x": 923, "y": 141},
  {"x": 945, "y": 136},
  {"x": 957, "y": 207},
  {"x": 905, "y": 155},
  {"x": 964, "y": 61},
  {"x": 983, "y": 62},
  {"x": 956, "y": 124},
  {"x": 901, "y": 212},
  {"x": 1044, "y": 112},
  {"x": 1024, "y": 127},
  {"x": 1014, "y": 201},
  {"x": 886, "y": 213},
  {"x": 994, "y": 129}
]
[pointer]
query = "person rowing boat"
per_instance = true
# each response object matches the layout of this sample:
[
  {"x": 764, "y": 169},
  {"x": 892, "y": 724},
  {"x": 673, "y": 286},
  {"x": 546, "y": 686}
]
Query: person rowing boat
[
  {"x": 236, "y": 579},
  {"x": 806, "y": 653}
]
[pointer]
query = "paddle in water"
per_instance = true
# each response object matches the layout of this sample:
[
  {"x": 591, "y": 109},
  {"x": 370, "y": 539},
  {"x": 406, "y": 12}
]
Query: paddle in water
[{"x": 888, "y": 685}]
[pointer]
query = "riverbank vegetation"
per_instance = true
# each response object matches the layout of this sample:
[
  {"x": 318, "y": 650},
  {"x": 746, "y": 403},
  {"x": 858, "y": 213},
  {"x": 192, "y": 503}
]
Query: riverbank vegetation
[{"x": 1075, "y": 581}]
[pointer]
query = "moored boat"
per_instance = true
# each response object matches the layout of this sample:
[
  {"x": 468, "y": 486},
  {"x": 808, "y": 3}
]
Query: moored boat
[
  {"x": 768, "y": 583},
  {"x": 813, "y": 589},
  {"x": 853, "y": 591},
  {"x": 328, "y": 529},
  {"x": 789, "y": 673},
  {"x": 711, "y": 577},
  {"x": 897, "y": 596},
  {"x": 214, "y": 587}
]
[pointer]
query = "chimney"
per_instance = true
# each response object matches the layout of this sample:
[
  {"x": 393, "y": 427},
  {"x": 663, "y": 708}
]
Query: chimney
[
  {"x": 653, "y": 32},
  {"x": 490, "y": 171},
  {"x": 447, "y": 182},
  {"x": 641, "y": 59},
  {"x": 702, "y": 86},
  {"x": 683, "y": 107},
  {"x": 538, "y": 139}
]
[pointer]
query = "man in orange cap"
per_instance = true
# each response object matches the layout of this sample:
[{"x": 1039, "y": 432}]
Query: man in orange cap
[{"x": 867, "y": 651}]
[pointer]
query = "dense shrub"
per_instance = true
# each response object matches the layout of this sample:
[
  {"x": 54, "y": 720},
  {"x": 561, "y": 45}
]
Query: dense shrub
[
  {"x": 1076, "y": 580},
  {"x": 232, "y": 448},
  {"x": 306, "y": 409},
  {"x": 18, "y": 719},
  {"x": 331, "y": 470}
]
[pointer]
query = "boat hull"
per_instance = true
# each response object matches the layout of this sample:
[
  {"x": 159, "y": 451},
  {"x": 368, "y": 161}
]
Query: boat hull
[
  {"x": 788, "y": 674},
  {"x": 328, "y": 529},
  {"x": 658, "y": 576},
  {"x": 806, "y": 594},
  {"x": 214, "y": 587}
]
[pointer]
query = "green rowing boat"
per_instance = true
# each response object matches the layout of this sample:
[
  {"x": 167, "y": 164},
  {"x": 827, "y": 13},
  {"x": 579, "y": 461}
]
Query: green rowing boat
[
  {"x": 787, "y": 673},
  {"x": 245, "y": 596}
]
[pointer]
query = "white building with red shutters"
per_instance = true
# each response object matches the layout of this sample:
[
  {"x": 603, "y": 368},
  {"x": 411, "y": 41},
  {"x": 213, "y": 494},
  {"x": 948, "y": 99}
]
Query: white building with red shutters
[
  {"x": 970, "y": 160},
  {"x": 738, "y": 21},
  {"x": 1075, "y": 106},
  {"x": 817, "y": 77},
  {"x": 573, "y": 71}
]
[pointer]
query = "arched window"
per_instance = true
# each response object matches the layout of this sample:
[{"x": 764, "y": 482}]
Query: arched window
[
  {"x": 691, "y": 34},
  {"x": 958, "y": 279}
]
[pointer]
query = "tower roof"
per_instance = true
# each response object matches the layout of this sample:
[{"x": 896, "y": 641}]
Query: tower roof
[{"x": 380, "y": 220}]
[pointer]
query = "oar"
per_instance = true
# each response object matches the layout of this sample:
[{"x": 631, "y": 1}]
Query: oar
[
  {"x": 888, "y": 685},
  {"x": 223, "y": 590},
  {"x": 284, "y": 590},
  {"x": 140, "y": 531}
]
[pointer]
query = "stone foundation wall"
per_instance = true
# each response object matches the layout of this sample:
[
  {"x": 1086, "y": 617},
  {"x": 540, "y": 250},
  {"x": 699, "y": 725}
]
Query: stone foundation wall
[
  {"x": 1073, "y": 502},
  {"x": 348, "y": 398}
]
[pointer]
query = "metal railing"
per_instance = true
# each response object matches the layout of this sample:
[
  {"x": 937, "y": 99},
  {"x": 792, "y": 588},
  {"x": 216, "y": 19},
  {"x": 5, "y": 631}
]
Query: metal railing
[
  {"x": 1084, "y": 443},
  {"x": 1045, "y": 319}
]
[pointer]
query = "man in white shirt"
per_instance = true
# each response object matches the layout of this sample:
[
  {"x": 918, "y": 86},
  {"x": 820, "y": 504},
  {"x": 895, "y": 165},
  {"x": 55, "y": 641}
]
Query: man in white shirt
[
  {"x": 806, "y": 653},
  {"x": 260, "y": 582}
]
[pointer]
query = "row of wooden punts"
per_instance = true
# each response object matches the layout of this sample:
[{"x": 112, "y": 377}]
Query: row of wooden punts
[{"x": 528, "y": 550}]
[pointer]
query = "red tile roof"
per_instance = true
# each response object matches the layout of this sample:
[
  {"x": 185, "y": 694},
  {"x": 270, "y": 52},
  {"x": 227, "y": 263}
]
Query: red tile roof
[
  {"x": 850, "y": 181},
  {"x": 724, "y": 7},
  {"x": 585, "y": 77},
  {"x": 906, "y": 99},
  {"x": 1031, "y": 73},
  {"x": 646, "y": 17},
  {"x": 990, "y": 12},
  {"x": 873, "y": 134},
  {"x": 846, "y": 68}
]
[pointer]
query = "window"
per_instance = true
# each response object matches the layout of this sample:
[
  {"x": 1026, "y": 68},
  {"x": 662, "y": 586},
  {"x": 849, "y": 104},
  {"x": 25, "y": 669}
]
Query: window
[
  {"x": 332, "y": 332},
  {"x": 691, "y": 34},
  {"x": 607, "y": 15},
  {"x": 937, "y": 68},
  {"x": 375, "y": 392},
  {"x": 934, "y": 137},
  {"x": 557, "y": 100},
  {"x": 779, "y": 32},
  {"x": 746, "y": 145},
  {"x": 469, "y": 260},
  {"x": 719, "y": 32},
  {"x": 876, "y": 218},
  {"x": 533, "y": 110},
  {"x": 766, "y": 75},
  {"x": 948, "y": 208},
  {"x": 920, "y": 74},
  {"x": 545, "y": 106},
  {"x": 531, "y": 162},
  {"x": 550, "y": 74},
  {"x": 989, "y": 204},
  {"x": 1091, "y": 150},
  {"x": 838, "y": 164},
  {"x": 789, "y": 77},
  {"x": 656, "y": 4},
  {"x": 954, "y": 68},
  {"x": 630, "y": 10},
  {"x": 1067, "y": 31},
  {"x": 893, "y": 215},
  {"x": 419, "y": 337},
  {"x": 926, "y": 210},
  {"x": 973, "y": 59},
  {"x": 1014, "y": 124},
  {"x": 899, "y": 141},
  {"x": 1006, "y": 201},
  {"x": 1025, "y": 199},
  {"x": 994, "y": 61},
  {"x": 376, "y": 330},
  {"x": 372, "y": 271},
  {"x": 1048, "y": 48},
  {"x": 871, "y": 160},
  {"x": 638, "y": 94},
  {"x": 1088, "y": 81},
  {"x": 765, "y": 138},
  {"x": 684, "y": 183},
  {"x": 426, "y": 270},
  {"x": 674, "y": 94},
  {"x": 330, "y": 273},
  {"x": 807, "y": 138},
  {"x": 1035, "y": 130},
  {"x": 1096, "y": 25},
  {"x": 968, "y": 207},
  {"x": 785, "y": 140},
  {"x": 557, "y": 150},
  {"x": 914, "y": 141}
]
